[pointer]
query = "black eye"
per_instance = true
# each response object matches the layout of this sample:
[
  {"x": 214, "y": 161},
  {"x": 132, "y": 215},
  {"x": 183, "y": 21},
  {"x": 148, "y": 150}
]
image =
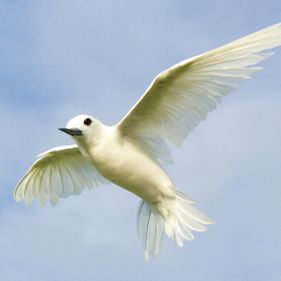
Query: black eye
[{"x": 88, "y": 121}]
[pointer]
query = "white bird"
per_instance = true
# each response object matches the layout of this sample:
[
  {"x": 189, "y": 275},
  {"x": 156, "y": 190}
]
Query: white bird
[{"x": 131, "y": 154}]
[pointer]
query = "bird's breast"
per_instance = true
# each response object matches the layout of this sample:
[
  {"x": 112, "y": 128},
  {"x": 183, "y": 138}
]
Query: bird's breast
[{"x": 127, "y": 166}]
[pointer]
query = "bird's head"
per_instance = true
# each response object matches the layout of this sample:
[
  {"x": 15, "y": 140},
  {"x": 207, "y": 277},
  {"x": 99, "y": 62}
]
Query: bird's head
[{"x": 81, "y": 127}]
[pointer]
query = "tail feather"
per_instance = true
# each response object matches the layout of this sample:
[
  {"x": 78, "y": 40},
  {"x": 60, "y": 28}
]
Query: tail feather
[
  {"x": 150, "y": 226},
  {"x": 177, "y": 217}
]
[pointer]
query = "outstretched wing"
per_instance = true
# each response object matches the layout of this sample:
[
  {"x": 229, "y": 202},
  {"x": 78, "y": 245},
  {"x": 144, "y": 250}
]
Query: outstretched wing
[
  {"x": 182, "y": 96},
  {"x": 58, "y": 173}
]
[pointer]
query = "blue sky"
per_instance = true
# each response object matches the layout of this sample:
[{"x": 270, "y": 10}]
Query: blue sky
[{"x": 62, "y": 58}]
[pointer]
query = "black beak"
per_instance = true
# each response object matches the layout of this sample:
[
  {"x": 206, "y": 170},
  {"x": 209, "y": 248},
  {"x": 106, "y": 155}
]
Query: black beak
[{"x": 72, "y": 132}]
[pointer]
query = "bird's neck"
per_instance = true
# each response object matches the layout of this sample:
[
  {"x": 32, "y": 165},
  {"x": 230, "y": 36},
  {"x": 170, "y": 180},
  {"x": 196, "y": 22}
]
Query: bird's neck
[{"x": 93, "y": 139}]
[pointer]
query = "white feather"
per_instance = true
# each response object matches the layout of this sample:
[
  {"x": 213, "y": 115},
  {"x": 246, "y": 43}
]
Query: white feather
[
  {"x": 182, "y": 96},
  {"x": 174, "y": 215},
  {"x": 58, "y": 173}
]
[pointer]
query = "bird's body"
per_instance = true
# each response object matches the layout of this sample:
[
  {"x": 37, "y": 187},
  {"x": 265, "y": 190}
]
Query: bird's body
[
  {"x": 115, "y": 156},
  {"x": 132, "y": 153}
]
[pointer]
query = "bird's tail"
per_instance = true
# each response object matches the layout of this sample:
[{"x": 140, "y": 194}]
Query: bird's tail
[{"x": 176, "y": 217}]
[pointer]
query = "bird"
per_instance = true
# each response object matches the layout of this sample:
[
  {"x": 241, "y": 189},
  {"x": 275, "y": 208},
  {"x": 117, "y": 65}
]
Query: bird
[{"x": 134, "y": 152}]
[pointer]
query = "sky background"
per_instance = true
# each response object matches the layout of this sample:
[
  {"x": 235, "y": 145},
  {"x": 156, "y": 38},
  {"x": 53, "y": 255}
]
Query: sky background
[{"x": 61, "y": 58}]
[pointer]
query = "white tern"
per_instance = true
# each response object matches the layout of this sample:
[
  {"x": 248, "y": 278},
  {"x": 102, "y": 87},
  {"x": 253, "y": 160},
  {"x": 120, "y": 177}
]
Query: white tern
[{"x": 132, "y": 153}]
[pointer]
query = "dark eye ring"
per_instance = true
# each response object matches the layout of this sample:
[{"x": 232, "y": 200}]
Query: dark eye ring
[{"x": 88, "y": 121}]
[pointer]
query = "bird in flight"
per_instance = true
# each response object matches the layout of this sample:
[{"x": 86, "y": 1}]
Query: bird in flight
[{"x": 132, "y": 153}]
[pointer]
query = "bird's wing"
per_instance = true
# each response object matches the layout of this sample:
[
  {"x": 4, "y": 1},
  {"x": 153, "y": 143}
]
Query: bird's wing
[
  {"x": 58, "y": 173},
  {"x": 182, "y": 96}
]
